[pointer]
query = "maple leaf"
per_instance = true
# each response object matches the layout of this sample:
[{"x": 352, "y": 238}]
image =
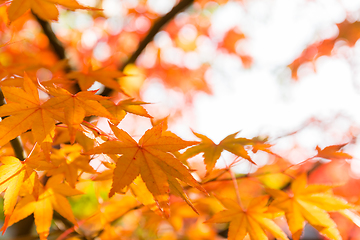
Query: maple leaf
[
  {"x": 51, "y": 197},
  {"x": 182, "y": 78},
  {"x": 76, "y": 107},
  {"x": 25, "y": 109},
  {"x": 45, "y": 9},
  {"x": 13, "y": 173},
  {"x": 332, "y": 152},
  {"x": 347, "y": 31},
  {"x": 311, "y": 53},
  {"x": 253, "y": 220},
  {"x": 258, "y": 145},
  {"x": 310, "y": 203},
  {"x": 111, "y": 210},
  {"x": 143, "y": 195},
  {"x": 231, "y": 37},
  {"x": 151, "y": 158},
  {"x": 123, "y": 107},
  {"x": 39, "y": 162},
  {"x": 68, "y": 161},
  {"x": 107, "y": 77},
  {"x": 212, "y": 151}
]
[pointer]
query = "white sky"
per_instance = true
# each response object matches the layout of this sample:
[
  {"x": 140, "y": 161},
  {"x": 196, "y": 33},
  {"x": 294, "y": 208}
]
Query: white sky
[{"x": 262, "y": 99}]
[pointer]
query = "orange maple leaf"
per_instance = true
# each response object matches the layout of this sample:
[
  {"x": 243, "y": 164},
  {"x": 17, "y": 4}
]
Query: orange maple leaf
[
  {"x": 253, "y": 220},
  {"x": 45, "y": 9},
  {"x": 68, "y": 161},
  {"x": 25, "y": 109},
  {"x": 111, "y": 210},
  {"x": 107, "y": 77},
  {"x": 231, "y": 38},
  {"x": 347, "y": 31},
  {"x": 212, "y": 151},
  {"x": 123, "y": 107},
  {"x": 152, "y": 159},
  {"x": 76, "y": 107},
  {"x": 332, "y": 152},
  {"x": 310, "y": 203},
  {"x": 51, "y": 197}
]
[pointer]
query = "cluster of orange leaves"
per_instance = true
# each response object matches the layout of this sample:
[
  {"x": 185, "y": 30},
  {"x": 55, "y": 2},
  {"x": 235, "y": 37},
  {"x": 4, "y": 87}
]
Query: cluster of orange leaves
[
  {"x": 347, "y": 31},
  {"x": 154, "y": 169},
  {"x": 151, "y": 163},
  {"x": 45, "y": 9}
]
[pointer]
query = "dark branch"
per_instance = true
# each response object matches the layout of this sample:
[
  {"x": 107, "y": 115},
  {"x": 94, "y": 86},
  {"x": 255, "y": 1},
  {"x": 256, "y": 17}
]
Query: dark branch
[
  {"x": 60, "y": 51},
  {"x": 56, "y": 44},
  {"x": 17, "y": 146},
  {"x": 54, "y": 41},
  {"x": 182, "y": 5}
]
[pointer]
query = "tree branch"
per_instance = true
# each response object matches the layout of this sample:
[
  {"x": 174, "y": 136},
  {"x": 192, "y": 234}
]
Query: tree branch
[
  {"x": 60, "y": 50},
  {"x": 56, "y": 44},
  {"x": 182, "y": 5},
  {"x": 54, "y": 41}
]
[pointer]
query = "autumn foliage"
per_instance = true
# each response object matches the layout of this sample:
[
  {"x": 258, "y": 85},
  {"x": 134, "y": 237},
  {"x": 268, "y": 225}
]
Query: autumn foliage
[{"x": 75, "y": 168}]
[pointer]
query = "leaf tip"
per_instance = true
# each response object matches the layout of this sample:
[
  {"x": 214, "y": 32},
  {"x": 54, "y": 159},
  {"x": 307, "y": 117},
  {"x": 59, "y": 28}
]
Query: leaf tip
[{"x": 6, "y": 223}]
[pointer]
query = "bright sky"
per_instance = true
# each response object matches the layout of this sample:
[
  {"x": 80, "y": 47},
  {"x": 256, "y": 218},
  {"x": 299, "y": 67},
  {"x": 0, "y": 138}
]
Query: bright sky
[{"x": 262, "y": 99}]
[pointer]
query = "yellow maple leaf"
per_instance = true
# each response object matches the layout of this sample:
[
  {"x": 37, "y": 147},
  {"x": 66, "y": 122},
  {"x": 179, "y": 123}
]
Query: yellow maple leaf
[
  {"x": 143, "y": 195},
  {"x": 212, "y": 151},
  {"x": 45, "y": 9},
  {"x": 110, "y": 211},
  {"x": 76, "y": 107},
  {"x": 253, "y": 220},
  {"x": 13, "y": 173},
  {"x": 25, "y": 109},
  {"x": 310, "y": 203},
  {"x": 68, "y": 161},
  {"x": 333, "y": 152},
  {"x": 123, "y": 107},
  {"x": 107, "y": 77},
  {"x": 152, "y": 159},
  {"x": 51, "y": 197}
]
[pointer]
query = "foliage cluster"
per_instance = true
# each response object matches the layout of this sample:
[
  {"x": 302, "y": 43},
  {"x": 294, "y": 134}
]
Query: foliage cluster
[{"x": 62, "y": 171}]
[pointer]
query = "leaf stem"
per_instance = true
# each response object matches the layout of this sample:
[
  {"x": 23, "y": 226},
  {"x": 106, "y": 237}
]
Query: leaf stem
[
  {"x": 236, "y": 186},
  {"x": 300, "y": 163}
]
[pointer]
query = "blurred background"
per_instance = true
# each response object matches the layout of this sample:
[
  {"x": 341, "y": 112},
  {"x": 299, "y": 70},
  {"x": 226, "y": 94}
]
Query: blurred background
[
  {"x": 261, "y": 67},
  {"x": 286, "y": 71}
]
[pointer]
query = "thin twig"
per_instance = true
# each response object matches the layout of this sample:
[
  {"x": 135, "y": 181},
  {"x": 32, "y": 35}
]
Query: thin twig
[
  {"x": 182, "y": 5},
  {"x": 236, "y": 186}
]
